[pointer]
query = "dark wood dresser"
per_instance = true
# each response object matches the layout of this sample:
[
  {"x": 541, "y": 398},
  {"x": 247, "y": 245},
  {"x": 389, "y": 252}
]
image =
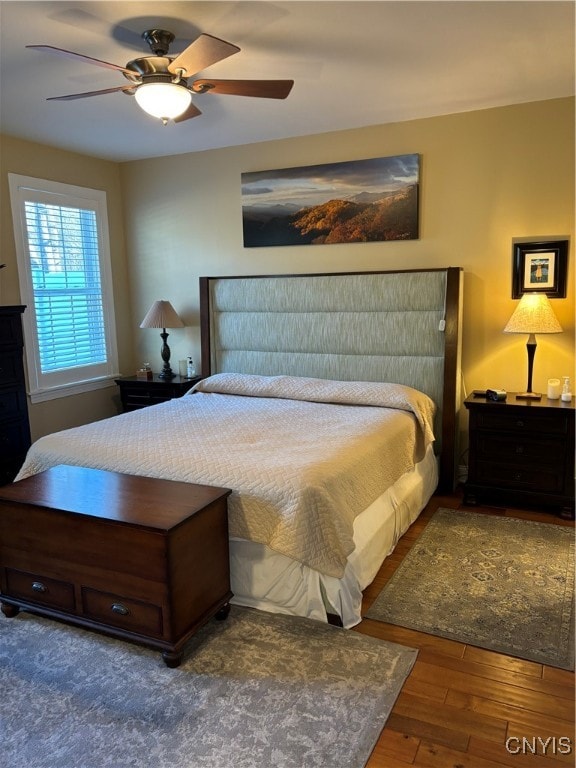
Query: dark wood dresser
[
  {"x": 14, "y": 424},
  {"x": 521, "y": 453},
  {"x": 140, "y": 558},
  {"x": 138, "y": 393}
]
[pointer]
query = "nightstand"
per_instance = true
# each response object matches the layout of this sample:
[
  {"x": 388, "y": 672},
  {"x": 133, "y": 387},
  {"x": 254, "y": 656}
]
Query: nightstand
[
  {"x": 138, "y": 393},
  {"x": 521, "y": 453}
]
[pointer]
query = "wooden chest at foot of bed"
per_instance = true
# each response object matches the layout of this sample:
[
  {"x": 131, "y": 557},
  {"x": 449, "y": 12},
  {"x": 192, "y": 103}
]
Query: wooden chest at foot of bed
[{"x": 136, "y": 557}]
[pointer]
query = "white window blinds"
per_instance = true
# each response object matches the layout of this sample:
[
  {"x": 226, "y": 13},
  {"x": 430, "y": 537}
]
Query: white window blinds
[{"x": 63, "y": 266}]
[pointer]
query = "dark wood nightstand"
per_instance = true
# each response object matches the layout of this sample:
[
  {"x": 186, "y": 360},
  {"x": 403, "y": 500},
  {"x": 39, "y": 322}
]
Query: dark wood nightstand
[
  {"x": 521, "y": 452},
  {"x": 138, "y": 393}
]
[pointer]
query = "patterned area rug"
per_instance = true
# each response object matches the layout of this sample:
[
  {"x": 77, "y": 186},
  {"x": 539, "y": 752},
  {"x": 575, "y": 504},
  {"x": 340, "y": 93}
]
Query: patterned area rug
[
  {"x": 493, "y": 582},
  {"x": 254, "y": 691}
]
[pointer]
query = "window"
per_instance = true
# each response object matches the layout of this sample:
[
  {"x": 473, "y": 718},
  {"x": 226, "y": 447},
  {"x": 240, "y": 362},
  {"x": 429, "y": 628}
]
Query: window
[{"x": 62, "y": 247}]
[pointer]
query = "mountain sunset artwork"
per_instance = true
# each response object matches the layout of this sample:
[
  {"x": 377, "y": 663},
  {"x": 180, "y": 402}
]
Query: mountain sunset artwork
[{"x": 358, "y": 201}]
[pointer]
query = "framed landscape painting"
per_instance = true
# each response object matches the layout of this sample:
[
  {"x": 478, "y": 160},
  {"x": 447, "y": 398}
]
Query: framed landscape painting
[{"x": 358, "y": 201}]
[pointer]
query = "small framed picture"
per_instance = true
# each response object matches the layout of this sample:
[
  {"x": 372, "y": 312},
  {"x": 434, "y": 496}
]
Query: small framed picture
[{"x": 541, "y": 268}]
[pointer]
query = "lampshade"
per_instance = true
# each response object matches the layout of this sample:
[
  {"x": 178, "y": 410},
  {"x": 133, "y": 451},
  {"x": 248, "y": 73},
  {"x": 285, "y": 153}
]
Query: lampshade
[
  {"x": 163, "y": 100},
  {"x": 534, "y": 314},
  {"x": 162, "y": 315}
]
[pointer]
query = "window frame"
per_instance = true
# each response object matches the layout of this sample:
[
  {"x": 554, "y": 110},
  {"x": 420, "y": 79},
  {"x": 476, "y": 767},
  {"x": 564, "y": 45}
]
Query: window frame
[{"x": 76, "y": 379}]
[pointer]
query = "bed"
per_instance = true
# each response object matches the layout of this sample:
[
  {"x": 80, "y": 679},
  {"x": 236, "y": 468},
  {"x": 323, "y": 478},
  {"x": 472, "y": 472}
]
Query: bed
[{"x": 328, "y": 406}]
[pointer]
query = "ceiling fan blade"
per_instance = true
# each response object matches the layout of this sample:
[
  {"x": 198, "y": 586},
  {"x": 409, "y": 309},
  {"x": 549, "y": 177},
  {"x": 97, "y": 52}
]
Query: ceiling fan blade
[
  {"x": 72, "y": 96},
  {"x": 80, "y": 57},
  {"x": 265, "y": 89},
  {"x": 203, "y": 52},
  {"x": 192, "y": 111}
]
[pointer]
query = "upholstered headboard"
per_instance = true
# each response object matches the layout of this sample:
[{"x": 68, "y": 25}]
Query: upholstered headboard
[{"x": 401, "y": 327}]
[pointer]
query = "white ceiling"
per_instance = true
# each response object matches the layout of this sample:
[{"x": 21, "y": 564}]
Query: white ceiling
[{"x": 354, "y": 64}]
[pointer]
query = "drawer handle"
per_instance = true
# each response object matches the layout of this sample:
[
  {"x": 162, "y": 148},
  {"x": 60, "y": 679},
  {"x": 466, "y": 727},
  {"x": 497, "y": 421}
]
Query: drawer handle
[
  {"x": 120, "y": 609},
  {"x": 519, "y": 423},
  {"x": 37, "y": 586},
  {"x": 519, "y": 449},
  {"x": 518, "y": 476}
]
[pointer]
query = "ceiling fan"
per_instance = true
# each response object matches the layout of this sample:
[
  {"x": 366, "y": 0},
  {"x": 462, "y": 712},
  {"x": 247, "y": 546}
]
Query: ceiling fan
[{"x": 160, "y": 82}]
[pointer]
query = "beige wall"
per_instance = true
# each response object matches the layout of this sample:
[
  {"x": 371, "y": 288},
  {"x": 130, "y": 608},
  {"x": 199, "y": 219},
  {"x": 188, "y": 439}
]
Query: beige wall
[
  {"x": 43, "y": 162},
  {"x": 486, "y": 177}
]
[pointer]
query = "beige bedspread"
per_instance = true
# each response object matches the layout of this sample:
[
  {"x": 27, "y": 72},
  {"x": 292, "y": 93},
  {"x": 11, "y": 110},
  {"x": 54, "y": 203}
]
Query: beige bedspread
[{"x": 302, "y": 456}]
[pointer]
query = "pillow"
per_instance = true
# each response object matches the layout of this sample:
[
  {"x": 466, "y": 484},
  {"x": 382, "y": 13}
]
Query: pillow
[{"x": 366, "y": 393}]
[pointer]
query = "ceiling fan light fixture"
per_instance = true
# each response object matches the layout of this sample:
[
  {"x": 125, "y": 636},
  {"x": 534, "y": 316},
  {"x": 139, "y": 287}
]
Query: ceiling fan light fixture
[{"x": 163, "y": 100}]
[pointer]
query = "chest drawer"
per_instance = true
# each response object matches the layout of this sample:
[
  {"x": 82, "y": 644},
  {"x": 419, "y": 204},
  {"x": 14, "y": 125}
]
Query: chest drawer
[
  {"x": 12, "y": 403},
  {"x": 36, "y": 588},
  {"x": 521, "y": 449},
  {"x": 118, "y": 611},
  {"x": 11, "y": 371},
  {"x": 519, "y": 423},
  {"x": 138, "y": 398},
  {"x": 11, "y": 329},
  {"x": 14, "y": 438},
  {"x": 520, "y": 477}
]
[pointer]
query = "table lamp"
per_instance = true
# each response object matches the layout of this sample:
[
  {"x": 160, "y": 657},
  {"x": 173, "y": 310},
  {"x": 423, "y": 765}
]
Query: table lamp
[
  {"x": 163, "y": 315},
  {"x": 534, "y": 314}
]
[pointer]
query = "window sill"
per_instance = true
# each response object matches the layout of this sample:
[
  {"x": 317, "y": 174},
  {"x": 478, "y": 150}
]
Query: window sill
[{"x": 77, "y": 388}]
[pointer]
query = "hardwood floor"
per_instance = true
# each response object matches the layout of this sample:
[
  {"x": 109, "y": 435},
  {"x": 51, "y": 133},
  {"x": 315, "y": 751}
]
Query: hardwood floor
[{"x": 465, "y": 707}]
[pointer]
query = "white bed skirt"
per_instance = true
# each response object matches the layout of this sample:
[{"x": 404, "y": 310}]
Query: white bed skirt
[{"x": 264, "y": 579}]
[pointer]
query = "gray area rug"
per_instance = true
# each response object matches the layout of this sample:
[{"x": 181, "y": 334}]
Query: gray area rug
[
  {"x": 256, "y": 690},
  {"x": 493, "y": 582}
]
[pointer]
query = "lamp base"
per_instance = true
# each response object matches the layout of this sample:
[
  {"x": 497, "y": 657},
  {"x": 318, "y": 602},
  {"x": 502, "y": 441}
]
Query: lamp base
[
  {"x": 528, "y": 396},
  {"x": 166, "y": 372}
]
